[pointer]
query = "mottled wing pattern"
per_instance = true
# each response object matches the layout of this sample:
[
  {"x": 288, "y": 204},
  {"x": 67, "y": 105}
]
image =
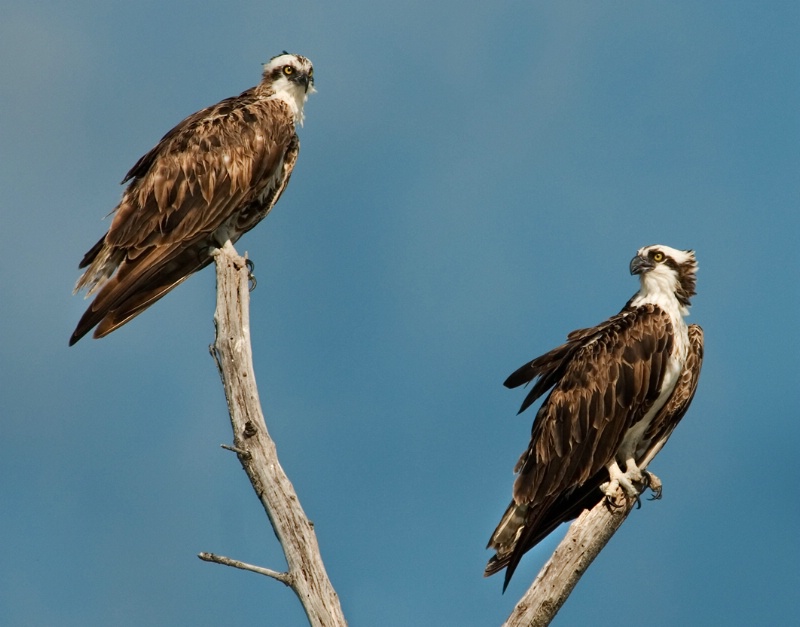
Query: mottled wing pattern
[
  {"x": 224, "y": 166},
  {"x": 202, "y": 172}
]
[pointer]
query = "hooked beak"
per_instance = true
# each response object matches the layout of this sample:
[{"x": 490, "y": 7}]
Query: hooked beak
[
  {"x": 640, "y": 265},
  {"x": 306, "y": 81}
]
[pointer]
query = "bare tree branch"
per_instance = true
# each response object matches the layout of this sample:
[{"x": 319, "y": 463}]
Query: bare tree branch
[
  {"x": 227, "y": 561},
  {"x": 256, "y": 450},
  {"x": 586, "y": 537}
]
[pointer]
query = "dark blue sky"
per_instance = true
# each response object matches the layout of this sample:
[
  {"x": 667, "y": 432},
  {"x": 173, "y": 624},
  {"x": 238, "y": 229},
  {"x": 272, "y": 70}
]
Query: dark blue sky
[{"x": 473, "y": 180}]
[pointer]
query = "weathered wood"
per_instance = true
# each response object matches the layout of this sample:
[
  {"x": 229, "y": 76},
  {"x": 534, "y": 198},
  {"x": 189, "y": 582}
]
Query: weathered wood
[{"x": 256, "y": 451}]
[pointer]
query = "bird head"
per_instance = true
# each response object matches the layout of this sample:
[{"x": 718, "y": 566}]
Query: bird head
[
  {"x": 290, "y": 72},
  {"x": 666, "y": 270},
  {"x": 290, "y": 77}
]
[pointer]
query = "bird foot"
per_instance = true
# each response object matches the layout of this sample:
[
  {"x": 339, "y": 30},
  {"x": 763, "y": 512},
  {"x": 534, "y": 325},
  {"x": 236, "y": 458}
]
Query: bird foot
[
  {"x": 630, "y": 485},
  {"x": 631, "y": 482},
  {"x": 653, "y": 483}
]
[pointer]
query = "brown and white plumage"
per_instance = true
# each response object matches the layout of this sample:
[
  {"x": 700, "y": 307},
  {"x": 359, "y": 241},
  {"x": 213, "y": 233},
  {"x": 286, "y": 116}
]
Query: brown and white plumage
[
  {"x": 618, "y": 391},
  {"x": 210, "y": 179}
]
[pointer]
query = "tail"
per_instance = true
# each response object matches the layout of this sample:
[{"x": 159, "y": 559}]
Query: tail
[
  {"x": 137, "y": 284},
  {"x": 522, "y": 527}
]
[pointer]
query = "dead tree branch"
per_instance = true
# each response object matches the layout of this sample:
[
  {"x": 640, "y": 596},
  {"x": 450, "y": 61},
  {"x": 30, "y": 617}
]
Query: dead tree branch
[
  {"x": 227, "y": 561},
  {"x": 256, "y": 450}
]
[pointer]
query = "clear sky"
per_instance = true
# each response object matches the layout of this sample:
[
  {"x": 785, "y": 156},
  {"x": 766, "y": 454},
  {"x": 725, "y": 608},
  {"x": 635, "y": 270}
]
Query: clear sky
[{"x": 473, "y": 181}]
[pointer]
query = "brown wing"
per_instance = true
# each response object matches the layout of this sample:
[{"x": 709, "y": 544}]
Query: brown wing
[
  {"x": 605, "y": 380},
  {"x": 608, "y": 385},
  {"x": 204, "y": 170},
  {"x": 550, "y": 367},
  {"x": 225, "y": 166}
]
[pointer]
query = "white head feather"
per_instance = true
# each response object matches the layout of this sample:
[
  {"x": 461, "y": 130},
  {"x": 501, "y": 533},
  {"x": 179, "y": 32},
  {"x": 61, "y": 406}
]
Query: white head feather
[{"x": 667, "y": 277}]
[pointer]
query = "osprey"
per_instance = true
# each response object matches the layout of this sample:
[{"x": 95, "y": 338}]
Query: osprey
[
  {"x": 210, "y": 179},
  {"x": 618, "y": 391}
]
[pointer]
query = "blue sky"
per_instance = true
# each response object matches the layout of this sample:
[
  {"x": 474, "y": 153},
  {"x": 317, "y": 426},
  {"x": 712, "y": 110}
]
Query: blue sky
[{"x": 473, "y": 180}]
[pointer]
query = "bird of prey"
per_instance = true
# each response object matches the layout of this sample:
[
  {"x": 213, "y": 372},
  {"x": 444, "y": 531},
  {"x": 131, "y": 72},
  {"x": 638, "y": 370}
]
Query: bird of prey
[
  {"x": 619, "y": 389},
  {"x": 209, "y": 180}
]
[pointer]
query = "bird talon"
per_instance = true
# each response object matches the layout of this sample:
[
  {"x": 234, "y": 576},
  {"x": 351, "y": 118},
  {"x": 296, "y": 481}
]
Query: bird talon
[
  {"x": 654, "y": 484},
  {"x": 613, "y": 503},
  {"x": 250, "y": 276}
]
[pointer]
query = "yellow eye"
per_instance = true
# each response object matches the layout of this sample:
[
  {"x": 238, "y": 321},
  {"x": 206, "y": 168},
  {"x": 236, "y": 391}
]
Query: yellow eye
[
  {"x": 658, "y": 256},
  {"x": 288, "y": 70},
  {"x": 311, "y": 73}
]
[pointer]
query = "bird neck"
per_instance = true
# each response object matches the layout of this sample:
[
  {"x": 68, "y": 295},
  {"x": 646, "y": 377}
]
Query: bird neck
[
  {"x": 293, "y": 95},
  {"x": 660, "y": 289}
]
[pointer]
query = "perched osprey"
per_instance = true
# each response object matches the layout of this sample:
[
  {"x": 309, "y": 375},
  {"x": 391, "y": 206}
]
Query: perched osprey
[
  {"x": 618, "y": 391},
  {"x": 210, "y": 179}
]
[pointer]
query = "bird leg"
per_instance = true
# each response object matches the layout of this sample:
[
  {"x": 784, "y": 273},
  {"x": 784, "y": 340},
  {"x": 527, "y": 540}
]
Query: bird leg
[{"x": 624, "y": 480}]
